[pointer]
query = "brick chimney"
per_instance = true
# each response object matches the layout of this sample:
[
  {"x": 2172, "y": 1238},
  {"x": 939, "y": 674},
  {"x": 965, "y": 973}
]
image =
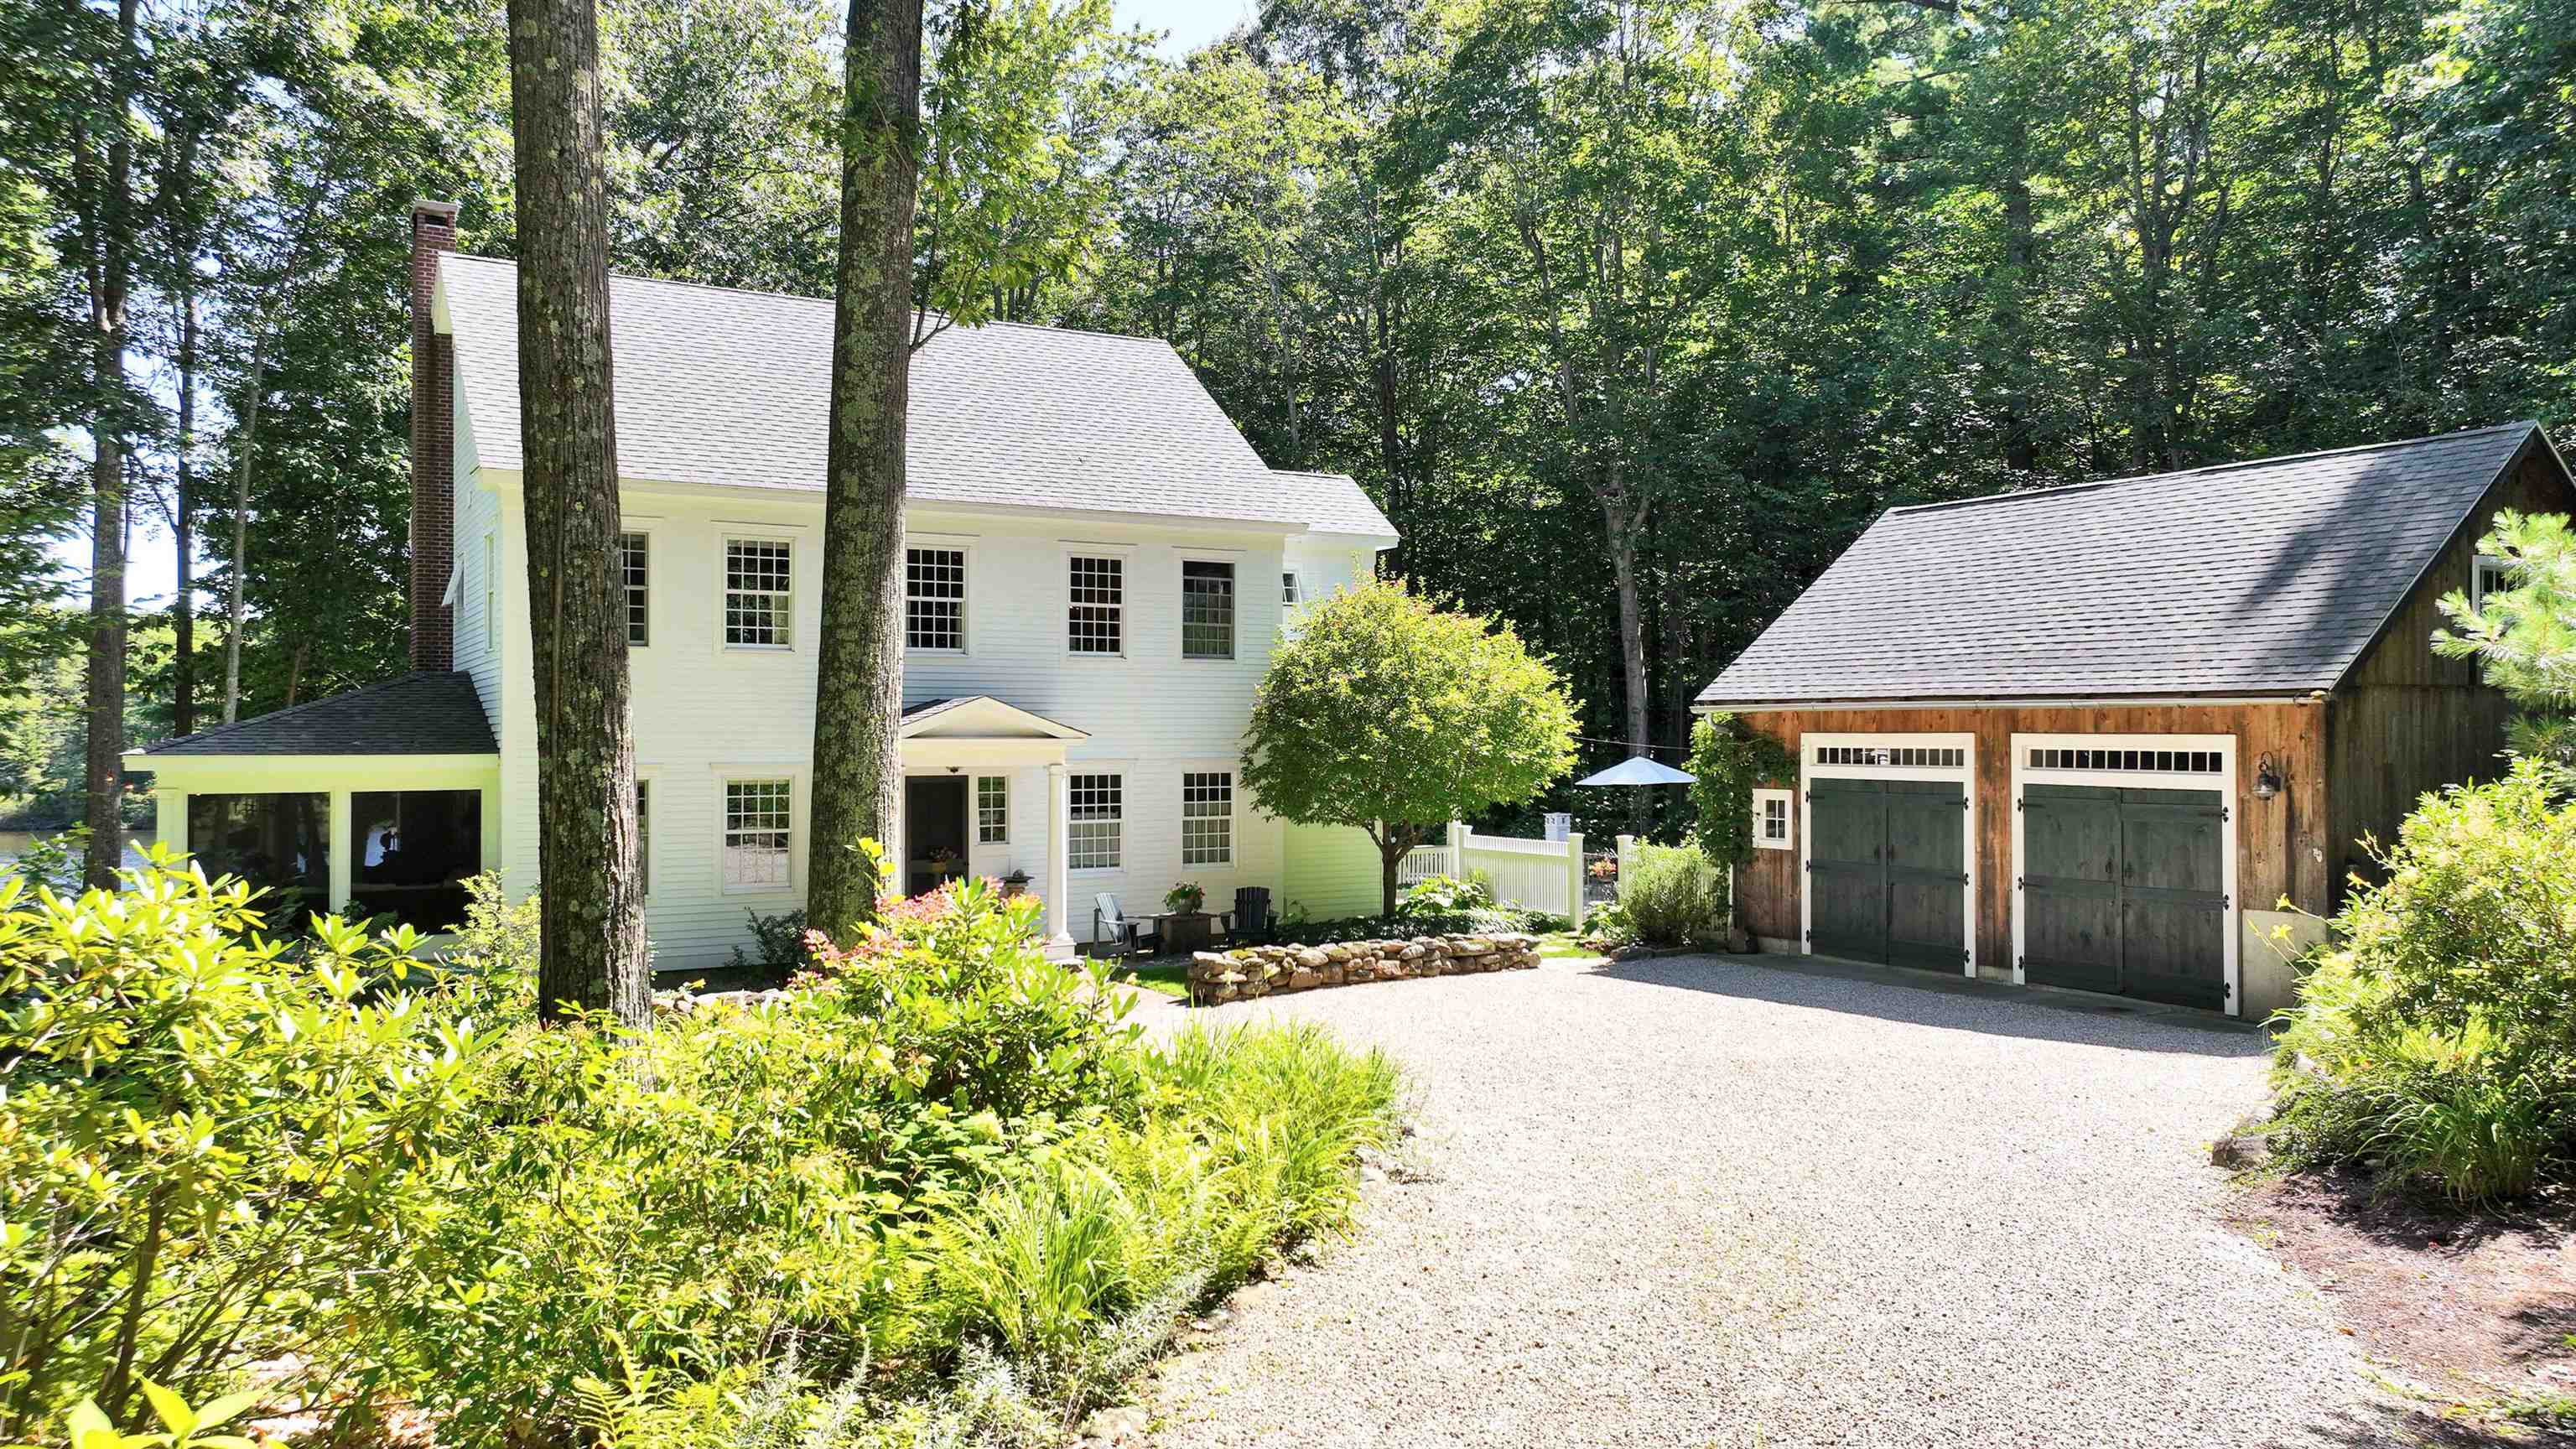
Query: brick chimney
[{"x": 433, "y": 441}]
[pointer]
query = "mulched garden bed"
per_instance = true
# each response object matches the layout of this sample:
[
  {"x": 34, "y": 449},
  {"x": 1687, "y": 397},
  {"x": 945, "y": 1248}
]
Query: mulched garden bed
[{"x": 2469, "y": 1312}]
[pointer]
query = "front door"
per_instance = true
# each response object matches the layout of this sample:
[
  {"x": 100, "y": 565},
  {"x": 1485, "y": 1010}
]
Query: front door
[
  {"x": 934, "y": 831},
  {"x": 1887, "y": 870},
  {"x": 2124, "y": 890}
]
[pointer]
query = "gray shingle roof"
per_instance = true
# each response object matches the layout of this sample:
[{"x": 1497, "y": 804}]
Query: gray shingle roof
[
  {"x": 2269, "y": 577},
  {"x": 733, "y": 388},
  {"x": 422, "y": 713}
]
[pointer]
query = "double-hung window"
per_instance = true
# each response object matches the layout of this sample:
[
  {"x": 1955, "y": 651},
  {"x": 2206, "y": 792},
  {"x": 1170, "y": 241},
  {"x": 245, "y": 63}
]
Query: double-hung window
[
  {"x": 758, "y": 821},
  {"x": 2489, "y": 575},
  {"x": 1096, "y": 822},
  {"x": 634, "y": 565},
  {"x": 1207, "y": 609},
  {"x": 992, "y": 810},
  {"x": 759, "y": 593},
  {"x": 1095, "y": 614},
  {"x": 1207, "y": 817},
  {"x": 934, "y": 599}
]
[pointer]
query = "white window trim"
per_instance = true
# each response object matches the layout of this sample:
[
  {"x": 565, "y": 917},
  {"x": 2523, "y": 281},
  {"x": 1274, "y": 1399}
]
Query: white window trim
[
  {"x": 2479, "y": 588},
  {"x": 751, "y": 774},
  {"x": 725, "y": 541},
  {"x": 2225, "y": 784},
  {"x": 1787, "y": 800},
  {"x": 1965, "y": 773},
  {"x": 1125, "y": 553},
  {"x": 965, "y": 549},
  {"x": 1233, "y": 816},
  {"x": 1126, "y": 776},
  {"x": 651, "y": 781},
  {"x": 975, "y": 801},
  {"x": 652, "y": 583}
]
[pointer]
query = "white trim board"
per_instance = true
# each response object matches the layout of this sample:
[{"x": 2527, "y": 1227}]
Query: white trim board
[
  {"x": 1964, "y": 773},
  {"x": 2223, "y": 784}
]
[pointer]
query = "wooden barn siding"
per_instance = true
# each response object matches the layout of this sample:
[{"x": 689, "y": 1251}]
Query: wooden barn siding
[
  {"x": 2280, "y": 843},
  {"x": 2407, "y": 721}
]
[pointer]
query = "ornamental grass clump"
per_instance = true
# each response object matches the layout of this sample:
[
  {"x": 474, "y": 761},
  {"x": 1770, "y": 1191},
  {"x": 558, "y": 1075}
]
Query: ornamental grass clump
[{"x": 2435, "y": 1039}]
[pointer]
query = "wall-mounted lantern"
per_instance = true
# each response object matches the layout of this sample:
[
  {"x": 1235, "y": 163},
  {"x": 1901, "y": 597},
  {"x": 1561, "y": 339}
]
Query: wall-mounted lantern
[{"x": 2267, "y": 778}]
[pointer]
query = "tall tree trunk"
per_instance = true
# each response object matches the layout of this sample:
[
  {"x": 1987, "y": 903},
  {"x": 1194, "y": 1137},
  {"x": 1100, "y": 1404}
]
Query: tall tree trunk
[
  {"x": 181, "y": 201},
  {"x": 110, "y": 274},
  {"x": 1624, "y": 525},
  {"x": 590, "y": 952},
  {"x": 859, "y": 658}
]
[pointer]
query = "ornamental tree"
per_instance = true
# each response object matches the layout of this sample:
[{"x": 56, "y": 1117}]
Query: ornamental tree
[{"x": 1390, "y": 715}]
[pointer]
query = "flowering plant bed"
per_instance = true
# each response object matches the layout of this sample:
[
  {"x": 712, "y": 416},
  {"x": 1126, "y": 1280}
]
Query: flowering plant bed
[{"x": 1217, "y": 977}]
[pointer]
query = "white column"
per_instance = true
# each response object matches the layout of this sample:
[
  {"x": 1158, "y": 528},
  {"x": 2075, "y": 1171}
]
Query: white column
[
  {"x": 339, "y": 844},
  {"x": 170, "y": 819},
  {"x": 1574, "y": 875},
  {"x": 1059, "y": 942},
  {"x": 1627, "y": 862}
]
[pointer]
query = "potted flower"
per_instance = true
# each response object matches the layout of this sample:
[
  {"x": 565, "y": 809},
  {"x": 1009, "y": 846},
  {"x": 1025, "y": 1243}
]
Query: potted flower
[
  {"x": 1186, "y": 927},
  {"x": 945, "y": 864},
  {"x": 1016, "y": 883}
]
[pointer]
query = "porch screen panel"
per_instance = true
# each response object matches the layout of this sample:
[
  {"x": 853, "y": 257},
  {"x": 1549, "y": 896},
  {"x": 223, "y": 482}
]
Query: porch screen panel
[
  {"x": 279, "y": 843},
  {"x": 411, "y": 852}
]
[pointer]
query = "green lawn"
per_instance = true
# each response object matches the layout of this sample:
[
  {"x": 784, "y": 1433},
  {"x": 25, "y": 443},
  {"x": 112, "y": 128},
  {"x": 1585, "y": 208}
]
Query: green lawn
[{"x": 1169, "y": 975}]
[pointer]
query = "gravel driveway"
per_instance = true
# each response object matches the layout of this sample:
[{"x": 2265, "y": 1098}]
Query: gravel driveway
[{"x": 1700, "y": 1201}]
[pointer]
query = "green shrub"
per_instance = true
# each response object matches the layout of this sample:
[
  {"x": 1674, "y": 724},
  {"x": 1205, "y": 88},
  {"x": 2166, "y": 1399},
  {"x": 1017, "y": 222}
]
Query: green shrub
[
  {"x": 2437, "y": 1036},
  {"x": 778, "y": 942},
  {"x": 1671, "y": 897},
  {"x": 230, "y": 1142},
  {"x": 940, "y": 1190},
  {"x": 1445, "y": 895}
]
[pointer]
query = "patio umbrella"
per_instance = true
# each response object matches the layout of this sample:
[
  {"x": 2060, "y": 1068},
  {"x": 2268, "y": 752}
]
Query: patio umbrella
[{"x": 1637, "y": 770}]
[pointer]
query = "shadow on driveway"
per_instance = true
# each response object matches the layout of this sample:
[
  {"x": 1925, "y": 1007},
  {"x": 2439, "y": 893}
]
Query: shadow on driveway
[{"x": 1955, "y": 1003}]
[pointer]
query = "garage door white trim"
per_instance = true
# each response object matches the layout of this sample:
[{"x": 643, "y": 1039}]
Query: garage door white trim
[
  {"x": 2132, "y": 761},
  {"x": 1878, "y": 757}
]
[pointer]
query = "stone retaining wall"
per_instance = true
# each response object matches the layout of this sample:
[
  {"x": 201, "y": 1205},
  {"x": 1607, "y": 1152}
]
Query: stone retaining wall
[{"x": 1218, "y": 977}]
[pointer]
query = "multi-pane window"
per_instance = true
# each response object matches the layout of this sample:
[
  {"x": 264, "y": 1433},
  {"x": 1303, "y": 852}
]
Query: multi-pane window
[
  {"x": 1771, "y": 819},
  {"x": 1095, "y": 616},
  {"x": 1095, "y": 825},
  {"x": 644, "y": 834},
  {"x": 1207, "y": 609},
  {"x": 2165, "y": 762},
  {"x": 992, "y": 810},
  {"x": 632, "y": 569},
  {"x": 2489, "y": 575},
  {"x": 1291, "y": 592},
  {"x": 1207, "y": 818},
  {"x": 1908, "y": 757},
  {"x": 934, "y": 598},
  {"x": 757, "y": 820},
  {"x": 759, "y": 592},
  {"x": 491, "y": 595}
]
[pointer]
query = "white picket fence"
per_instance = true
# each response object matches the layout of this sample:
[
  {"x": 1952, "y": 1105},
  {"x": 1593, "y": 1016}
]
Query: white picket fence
[{"x": 1536, "y": 875}]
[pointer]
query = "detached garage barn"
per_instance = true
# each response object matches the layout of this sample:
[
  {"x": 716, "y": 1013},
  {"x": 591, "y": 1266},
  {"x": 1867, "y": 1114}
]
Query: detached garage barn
[{"x": 2094, "y": 736}]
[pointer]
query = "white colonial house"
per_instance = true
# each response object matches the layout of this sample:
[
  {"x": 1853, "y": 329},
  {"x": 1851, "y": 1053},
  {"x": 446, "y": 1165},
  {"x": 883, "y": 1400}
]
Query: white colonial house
[{"x": 1098, "y": 567}]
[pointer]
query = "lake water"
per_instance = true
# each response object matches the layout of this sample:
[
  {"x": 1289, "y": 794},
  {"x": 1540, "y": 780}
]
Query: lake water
[{"x": 14, "y": 843}]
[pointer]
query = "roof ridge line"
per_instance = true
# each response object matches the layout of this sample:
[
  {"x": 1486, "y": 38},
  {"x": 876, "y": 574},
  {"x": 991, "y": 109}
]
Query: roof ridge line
[
  {"x": 620, "y": 276},
  {"x": 2207, "y": 468}
]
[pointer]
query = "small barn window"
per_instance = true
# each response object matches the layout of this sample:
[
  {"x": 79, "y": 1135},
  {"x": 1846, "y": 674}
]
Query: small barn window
[
  {"x": 1771, "y": 819},
  {"x": 2489, "y": 575}
]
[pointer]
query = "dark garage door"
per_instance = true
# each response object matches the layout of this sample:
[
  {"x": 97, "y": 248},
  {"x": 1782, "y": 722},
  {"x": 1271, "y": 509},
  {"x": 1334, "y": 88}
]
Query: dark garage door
[
  {"x": 1887, "y": 870},
  {"x": 2124, "y": 891}
]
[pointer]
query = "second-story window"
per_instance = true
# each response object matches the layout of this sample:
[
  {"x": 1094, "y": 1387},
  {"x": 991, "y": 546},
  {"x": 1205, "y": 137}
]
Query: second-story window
[
  {"x": 1291, "y": 591},
  {"x": 632, "y": 568},
  {"x": 759, "y": 593},
  {"x": 1095, "y": 616},
  {"x": 1207, "y": 609},
  {"x": 934, "y": 598}
]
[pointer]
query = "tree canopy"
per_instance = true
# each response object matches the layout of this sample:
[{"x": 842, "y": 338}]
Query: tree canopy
[{"x": 1387, "y": 713}]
